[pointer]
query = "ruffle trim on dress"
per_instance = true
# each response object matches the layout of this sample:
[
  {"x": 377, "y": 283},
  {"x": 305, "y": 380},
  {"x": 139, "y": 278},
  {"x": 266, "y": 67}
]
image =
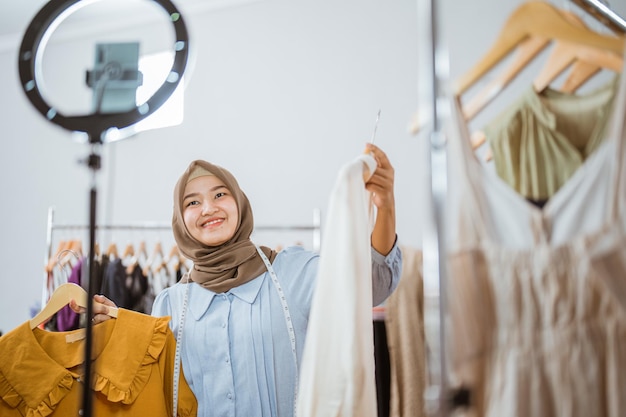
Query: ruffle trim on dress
[
  {"x": 111, "y": 387},
  {"x": 116, "y": 393},
  {"x": 47, "y": 405}
]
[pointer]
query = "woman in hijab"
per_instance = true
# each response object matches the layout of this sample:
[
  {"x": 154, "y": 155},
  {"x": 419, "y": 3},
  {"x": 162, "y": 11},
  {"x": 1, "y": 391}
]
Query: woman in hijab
[{"x": 234, "y": 303}]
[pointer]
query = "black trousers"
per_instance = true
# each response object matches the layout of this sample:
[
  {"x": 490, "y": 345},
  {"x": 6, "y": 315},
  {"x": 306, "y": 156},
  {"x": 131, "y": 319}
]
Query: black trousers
[{"x": 383, "y": 368}]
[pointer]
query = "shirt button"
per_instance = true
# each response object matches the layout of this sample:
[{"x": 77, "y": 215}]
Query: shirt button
[
  {"x": 223, "y": 325},
  {"x": 230, "y": 396},
  {"x": 227, "y": 360},
  {"x": 80, "y": 412}
]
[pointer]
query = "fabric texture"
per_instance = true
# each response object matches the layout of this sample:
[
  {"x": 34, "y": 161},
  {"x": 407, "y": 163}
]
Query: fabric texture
[
  {"x": 406, "y": 340},
  {"x": 236, "y": 261},
  {"x": 133, "y": 360},
  {"x": 537, "y": 297},
  {"x": 543, "y": 138},
  {"x": 337, "y": 374}
]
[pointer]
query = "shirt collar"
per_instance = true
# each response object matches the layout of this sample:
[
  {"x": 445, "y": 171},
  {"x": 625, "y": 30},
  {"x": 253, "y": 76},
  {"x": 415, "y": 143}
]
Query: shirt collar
[
  {"x": 248, "y": 291},
  {"x": 201, "y": 298}
]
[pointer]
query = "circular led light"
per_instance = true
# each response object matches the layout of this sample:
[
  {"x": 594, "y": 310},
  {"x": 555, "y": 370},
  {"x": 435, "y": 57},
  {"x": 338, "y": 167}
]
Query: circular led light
[{"x": 29, "y": 58}]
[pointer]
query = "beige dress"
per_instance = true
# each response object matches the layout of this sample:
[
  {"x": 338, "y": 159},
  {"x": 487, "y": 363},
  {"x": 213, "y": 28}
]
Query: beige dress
[
  {"x": 406, "y": 339},
  {"x": 537, "y": 297}
]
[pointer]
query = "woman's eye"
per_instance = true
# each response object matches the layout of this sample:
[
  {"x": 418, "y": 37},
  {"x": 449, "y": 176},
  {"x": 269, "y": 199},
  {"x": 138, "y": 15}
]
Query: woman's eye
[
  {"x": 218, "y": 195},
  {"x": 192, "y": 203}
]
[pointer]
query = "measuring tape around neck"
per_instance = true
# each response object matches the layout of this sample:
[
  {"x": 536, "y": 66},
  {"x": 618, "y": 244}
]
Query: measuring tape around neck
[
  {"x": 288, "y": 321},
  {"x": 179, "y": 340}
]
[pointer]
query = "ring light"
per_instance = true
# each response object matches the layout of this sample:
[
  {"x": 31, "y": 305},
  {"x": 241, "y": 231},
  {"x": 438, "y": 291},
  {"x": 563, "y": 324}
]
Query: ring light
[
  {"x": 95, "y": 124},
  {"x": 34, "y": 41}
]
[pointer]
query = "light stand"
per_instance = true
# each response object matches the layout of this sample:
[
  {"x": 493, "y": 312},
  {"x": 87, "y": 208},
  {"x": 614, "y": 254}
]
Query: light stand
[{"x": 94, "y": 125}]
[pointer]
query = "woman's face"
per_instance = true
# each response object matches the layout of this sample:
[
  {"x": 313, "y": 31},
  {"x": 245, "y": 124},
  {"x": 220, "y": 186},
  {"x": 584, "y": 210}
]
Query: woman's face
[{"x": 210, "y": 210}]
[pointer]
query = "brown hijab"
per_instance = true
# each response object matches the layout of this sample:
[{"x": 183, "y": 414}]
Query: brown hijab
[{"x": 231, "y": 264}]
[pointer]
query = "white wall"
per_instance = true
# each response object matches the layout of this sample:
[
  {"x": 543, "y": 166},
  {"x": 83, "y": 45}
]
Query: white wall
[{"x": 282, "y": 93}]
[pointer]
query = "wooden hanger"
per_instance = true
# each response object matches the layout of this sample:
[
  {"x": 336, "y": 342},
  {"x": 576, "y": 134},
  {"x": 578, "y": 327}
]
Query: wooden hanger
[
  {"x": 564, "y": 54},
  {"x": 112, "y": 251},
  {"x": 77, "y": 246},
  {"x": 580, "y": 73},
  {"x": 142, "y": 249},
  {"x": 528, "y": 49},
  {"x": 129, "y": 258},
  {"x": 62, "y": 297},
  {"x": 528, "y": 43},
  {"x": 586, "y": 61},
  {"x": 63, "y": 245},
  {"x": 174, "y": 252},
  {"x": 156, "y": 260},
  {"x": 129, "y": 251},
  {"x": 72, "y": 254},
  {"x": 535, "y": 18},
  {"x": 157, "y": 252}
]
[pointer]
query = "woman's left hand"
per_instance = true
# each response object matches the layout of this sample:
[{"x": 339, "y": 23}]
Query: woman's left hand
[
  {"x": 381, "y": 186},
  {"x": 382, "y": 181}
]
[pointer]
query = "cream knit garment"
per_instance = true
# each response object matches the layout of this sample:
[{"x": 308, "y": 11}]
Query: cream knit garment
[{"x": 337, "y": 373}]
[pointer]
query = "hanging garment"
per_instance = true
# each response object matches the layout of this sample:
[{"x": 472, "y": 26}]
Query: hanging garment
[
  {"x": 41, "y": 372},
  {"x": 125, "y": 288},
  {"x": 406, "y": 340},
  {"x": 114, "y": 283},
  {"x": 537, "y": 297},
  {"x": 337, "y": 372},
  {"x": 137, "y": 287},
  {"x": 66, "y": 318},
  {"x": 543, "y": 138}
]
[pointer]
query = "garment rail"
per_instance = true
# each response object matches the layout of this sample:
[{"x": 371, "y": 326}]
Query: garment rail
[
  {"x": 603, "y": 13},
  {"x": 315, "y": 228},
  {"x": 436, "y": 395},
  {"x": 441, "y": 400}
]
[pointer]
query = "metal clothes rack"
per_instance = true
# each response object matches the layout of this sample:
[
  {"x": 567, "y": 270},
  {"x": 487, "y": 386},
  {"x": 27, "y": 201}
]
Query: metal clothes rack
[
  {"x": 315, "y": 228},
  {"x": 603, "y": 13},
  {"x": 440, "y": 399},
  {"x": 434, "y": 260}
]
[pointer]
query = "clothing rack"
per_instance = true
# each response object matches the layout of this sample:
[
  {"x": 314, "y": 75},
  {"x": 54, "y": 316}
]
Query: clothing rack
[
  {"x": 436, "y": 395},
  {"x": 440, "y": 399},
  {"x": 315, "y": 228},
  {"x": 603, "y": 13}
]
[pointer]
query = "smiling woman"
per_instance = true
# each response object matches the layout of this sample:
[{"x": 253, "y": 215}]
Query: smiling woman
[
  {"x": 209, "y": 209},
  {"x": 241, "y": 313}
]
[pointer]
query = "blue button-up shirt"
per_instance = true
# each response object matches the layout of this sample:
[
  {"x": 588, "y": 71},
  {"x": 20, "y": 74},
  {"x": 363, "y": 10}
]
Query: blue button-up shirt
[{"x": 236, "y": 351}]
